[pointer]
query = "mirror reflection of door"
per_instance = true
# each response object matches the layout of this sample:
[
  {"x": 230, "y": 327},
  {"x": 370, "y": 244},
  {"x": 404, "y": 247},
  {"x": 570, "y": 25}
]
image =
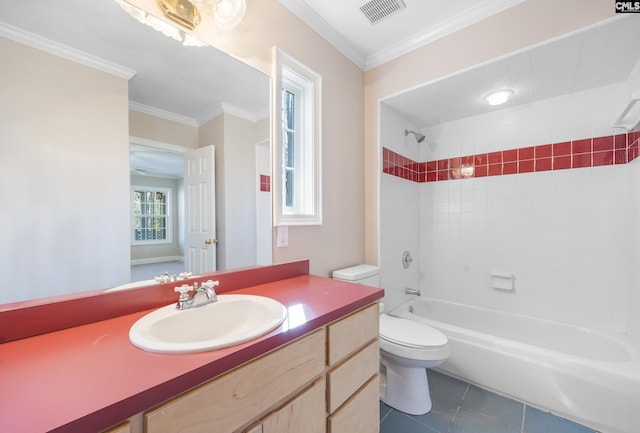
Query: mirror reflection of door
[
  {"x": 200, "y": 215},
  {"x": 157, "y": 228}
]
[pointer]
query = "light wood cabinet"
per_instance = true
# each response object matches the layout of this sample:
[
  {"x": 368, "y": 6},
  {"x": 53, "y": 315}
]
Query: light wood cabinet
[
  {"x": 326, "y": 381},
  {"x": 353, "y": 388},
  {"x": 351, "y": 333},
  {"x": 306, "y": 413},
  {"x": 345, "y": 380},
  {"x": 122, "y": 428},
  {"x": 227, "y": 403},
  {"x": 361, "y": 414}
]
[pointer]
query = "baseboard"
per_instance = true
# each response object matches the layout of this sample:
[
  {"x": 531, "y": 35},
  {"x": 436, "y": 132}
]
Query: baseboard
[{"x": 157, "y": 260}]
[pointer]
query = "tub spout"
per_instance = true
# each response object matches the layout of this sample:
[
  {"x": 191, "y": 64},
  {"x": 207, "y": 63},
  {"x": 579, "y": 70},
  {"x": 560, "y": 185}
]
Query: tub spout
[{"x": 410, "y": 291}]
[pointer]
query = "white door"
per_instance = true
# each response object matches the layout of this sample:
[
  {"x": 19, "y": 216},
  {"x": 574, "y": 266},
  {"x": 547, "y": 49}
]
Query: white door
[{"x": 200, "y": 210}]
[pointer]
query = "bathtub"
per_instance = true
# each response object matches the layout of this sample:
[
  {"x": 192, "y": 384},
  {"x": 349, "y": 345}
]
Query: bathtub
[{"x": 587, "y": 376}]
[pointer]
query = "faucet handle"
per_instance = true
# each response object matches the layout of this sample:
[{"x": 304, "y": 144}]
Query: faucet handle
[
  {"x": 211, "y": 284},
  {"x": 184, "y": 289}
]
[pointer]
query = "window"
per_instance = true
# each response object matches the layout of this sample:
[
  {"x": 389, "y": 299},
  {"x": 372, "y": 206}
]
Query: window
[
  {"x": 151, "y": 216},
  {"x": 297, "y": 156}
]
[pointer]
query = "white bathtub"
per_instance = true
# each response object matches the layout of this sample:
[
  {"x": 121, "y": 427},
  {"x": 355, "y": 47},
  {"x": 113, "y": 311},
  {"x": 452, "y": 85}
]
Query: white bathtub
[{"x": 589, "y": 377}]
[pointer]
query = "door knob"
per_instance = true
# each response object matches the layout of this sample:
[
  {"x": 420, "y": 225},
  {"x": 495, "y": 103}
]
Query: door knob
[{"x": 210, "y": 241}]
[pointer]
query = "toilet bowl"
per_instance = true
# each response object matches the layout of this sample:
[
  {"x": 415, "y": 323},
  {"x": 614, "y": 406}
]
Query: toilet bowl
[{"x": 407, "y": 349}]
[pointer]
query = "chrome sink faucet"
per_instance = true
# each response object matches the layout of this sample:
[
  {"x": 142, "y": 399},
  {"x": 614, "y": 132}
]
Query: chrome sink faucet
[{"x": 186, "y": 300}]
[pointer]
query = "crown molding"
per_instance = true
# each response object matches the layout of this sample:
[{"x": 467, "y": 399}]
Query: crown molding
[
  {"x": 225, "y": 108},
  {"x": 457, "y": 22},
  {"x": 35, "y": 41},
  {"x": 303, "y": 11},
  {"x": 215, "y": 111},
  {"x": 365, "y": 62},
  {"x": 163, "y": 114}
]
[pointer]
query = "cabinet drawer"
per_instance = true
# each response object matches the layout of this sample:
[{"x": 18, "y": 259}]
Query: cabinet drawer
[
  {"x": 306, "y": 413},
  {"x": 345, "y": 379},
  {"x": 351, "y": 333},
  {"x": 361, "y": 413},
  {"x": 122, "y": 428},
  {"x": 227, "y": 403}
]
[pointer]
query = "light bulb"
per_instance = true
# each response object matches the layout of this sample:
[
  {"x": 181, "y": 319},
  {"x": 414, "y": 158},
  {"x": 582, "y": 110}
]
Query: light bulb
[
  {"x": 499, "y": 97},
  {"x": 228, "y": 13}
]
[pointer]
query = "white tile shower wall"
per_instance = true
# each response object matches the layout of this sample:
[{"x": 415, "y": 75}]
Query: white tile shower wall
[
  {"x": 634, "y": 302},
  {"x": 399, "y": 217},
  {"x": 569, "y": 236}
]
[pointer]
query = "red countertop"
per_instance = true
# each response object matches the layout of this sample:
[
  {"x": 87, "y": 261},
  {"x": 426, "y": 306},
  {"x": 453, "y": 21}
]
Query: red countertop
[{"x": 90, "y": 377}]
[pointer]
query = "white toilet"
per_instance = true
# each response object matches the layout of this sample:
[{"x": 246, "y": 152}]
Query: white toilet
[{"x": 407, "y": 349}]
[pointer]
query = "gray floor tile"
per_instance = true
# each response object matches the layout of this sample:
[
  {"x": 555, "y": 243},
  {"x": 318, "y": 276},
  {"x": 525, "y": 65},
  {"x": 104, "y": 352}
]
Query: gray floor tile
[
  {"x": 537, "y": 421},
  {"x": 384, "y": 411},
  {"x": 398, "y": 422},
  {"x": 442, "y": 413},
  {"x": 462, "y": 408},
  {"x": 446, "y": 387},
  {"x": 472, "y": 422},
  {"x": 482, "y": 402}
]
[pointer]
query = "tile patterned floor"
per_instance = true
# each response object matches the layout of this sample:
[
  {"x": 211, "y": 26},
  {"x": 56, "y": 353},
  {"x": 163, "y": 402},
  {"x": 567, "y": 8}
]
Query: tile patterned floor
[{"x": 459, "y": 407}]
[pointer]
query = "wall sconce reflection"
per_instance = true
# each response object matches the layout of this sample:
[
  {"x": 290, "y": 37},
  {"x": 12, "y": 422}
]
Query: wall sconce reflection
[{"x": 467, "y": 171}]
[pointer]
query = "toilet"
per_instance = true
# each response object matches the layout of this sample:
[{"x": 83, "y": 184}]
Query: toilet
[{"x": 407, "y": 349}]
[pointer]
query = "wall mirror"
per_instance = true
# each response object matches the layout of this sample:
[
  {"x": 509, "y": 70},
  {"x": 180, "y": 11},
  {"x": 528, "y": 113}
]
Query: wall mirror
[{"x": 94, "y": 102}]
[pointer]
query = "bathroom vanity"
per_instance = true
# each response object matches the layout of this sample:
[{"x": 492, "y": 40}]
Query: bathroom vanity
[{"x": 317, "y": 372}]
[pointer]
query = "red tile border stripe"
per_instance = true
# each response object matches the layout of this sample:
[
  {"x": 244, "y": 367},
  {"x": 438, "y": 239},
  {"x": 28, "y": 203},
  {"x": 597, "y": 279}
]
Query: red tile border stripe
[{"x": 588, "y": 152}]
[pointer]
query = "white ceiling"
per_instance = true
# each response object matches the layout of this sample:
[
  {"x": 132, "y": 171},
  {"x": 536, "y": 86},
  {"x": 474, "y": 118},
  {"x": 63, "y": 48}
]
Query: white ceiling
[
  {"x": 342, "y": 23},
  {"x": 602, "y": 54}
]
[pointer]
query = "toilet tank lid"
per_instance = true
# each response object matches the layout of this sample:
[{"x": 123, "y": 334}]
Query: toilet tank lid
[{"x": 355, "y": 273}]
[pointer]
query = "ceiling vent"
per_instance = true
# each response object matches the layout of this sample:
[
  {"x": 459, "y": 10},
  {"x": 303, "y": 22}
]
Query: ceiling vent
[{"x": 377, "y": 10}]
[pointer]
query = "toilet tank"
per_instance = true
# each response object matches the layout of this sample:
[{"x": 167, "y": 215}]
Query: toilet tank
[{"x": 361, "y": 274}]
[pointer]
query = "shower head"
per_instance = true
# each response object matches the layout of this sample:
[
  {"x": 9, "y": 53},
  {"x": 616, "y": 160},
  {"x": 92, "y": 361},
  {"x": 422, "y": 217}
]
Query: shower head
[{"x": 419, "y": 137}]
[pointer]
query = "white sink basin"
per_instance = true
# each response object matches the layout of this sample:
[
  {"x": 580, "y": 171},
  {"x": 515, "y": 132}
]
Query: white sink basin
[{"x": 231, "y": 320}]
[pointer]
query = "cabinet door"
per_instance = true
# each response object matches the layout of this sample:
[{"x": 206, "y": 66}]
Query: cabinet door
[
  {"x": 344, "y": 380},
  {"x": 305, "y": 413},
  {"x": 361, "y": 413},
  {"x": 351, "y": 333}
]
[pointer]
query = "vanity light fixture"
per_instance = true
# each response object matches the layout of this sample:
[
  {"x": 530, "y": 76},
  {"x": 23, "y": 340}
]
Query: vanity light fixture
[
  {"x": 182, "y": 12},
  {"x": 499, "y": 97},
  {"x": 186, "y": 13},
  {"x": 226, "y": 13}
]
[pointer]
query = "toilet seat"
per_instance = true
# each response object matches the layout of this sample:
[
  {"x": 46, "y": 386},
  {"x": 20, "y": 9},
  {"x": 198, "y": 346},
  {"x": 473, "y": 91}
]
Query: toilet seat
[
  {"x": 411, "y": 340},
  {"x": 410, "y": 333}
]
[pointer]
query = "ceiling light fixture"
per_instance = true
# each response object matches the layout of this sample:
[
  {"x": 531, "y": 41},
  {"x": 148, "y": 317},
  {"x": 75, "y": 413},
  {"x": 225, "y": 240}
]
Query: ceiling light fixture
[
  {"x": 226, "y": 14},
  {"x": 499, "y": 97}
]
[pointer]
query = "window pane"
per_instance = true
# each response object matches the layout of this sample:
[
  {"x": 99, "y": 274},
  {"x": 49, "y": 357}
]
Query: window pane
[
  {"x": 288, "y": 104},
  {"x": 150, "y": 215},
  {"x": 288, "y": 188},
  {"x": 289, "y": 150}
]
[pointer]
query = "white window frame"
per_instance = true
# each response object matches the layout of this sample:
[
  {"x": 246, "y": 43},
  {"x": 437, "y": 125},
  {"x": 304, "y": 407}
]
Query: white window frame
[
  {"x": 292, "y": 75},
  {"x": 168, "y": 215}
]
